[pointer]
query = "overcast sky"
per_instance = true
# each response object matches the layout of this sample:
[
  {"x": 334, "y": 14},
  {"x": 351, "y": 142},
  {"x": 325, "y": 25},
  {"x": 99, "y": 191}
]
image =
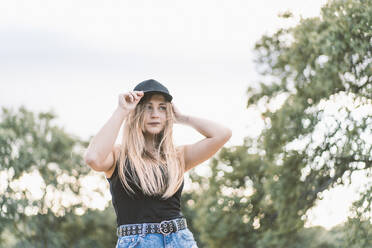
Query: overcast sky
[{"x": 76, "y": 56}]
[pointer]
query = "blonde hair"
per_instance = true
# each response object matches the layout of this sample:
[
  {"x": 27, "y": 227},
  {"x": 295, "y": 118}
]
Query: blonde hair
[{"x": 160, "y": 175}]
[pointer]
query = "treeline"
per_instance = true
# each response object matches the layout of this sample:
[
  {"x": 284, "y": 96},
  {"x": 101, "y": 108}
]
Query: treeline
[{"x": 315, "y": 98}]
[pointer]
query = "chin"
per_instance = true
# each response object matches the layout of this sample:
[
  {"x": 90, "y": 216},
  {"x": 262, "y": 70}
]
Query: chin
[{"x": 154, "y": 131}]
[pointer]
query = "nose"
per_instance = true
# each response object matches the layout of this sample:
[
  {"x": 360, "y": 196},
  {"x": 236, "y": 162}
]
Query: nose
[{"x": 154, "y": 113}]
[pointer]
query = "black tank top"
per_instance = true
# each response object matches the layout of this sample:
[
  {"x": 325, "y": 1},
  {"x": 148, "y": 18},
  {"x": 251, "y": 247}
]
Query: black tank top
[{"x": 141, "y": 208}]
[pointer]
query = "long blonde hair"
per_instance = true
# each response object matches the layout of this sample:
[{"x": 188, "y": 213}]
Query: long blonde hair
[{"x": 160, "y": 175}]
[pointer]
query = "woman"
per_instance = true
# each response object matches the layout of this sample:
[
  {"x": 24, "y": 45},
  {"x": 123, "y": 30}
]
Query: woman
[{"x": 146, "y": 170}]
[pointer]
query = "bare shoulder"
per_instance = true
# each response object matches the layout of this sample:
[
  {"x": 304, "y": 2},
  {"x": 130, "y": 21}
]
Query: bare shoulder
[{"x": 115, "y": 152}]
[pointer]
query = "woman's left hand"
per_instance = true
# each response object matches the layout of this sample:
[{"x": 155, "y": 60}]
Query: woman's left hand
[{"x": 180, "y": 118}]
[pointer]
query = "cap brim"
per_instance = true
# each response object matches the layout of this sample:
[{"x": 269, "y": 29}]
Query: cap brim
[{"x": 167, "y": 96}]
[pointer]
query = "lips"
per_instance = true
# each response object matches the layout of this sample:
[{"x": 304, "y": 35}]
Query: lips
[{"x": 154, "y": 123}]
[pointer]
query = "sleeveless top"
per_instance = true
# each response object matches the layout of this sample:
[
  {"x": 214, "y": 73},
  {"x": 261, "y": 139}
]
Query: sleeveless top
[{"x": 140, "y": 208}]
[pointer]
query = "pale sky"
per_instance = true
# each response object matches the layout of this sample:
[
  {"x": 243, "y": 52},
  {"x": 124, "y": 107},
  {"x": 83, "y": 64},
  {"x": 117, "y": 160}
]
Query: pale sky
[{"x": 75, "y": 57}]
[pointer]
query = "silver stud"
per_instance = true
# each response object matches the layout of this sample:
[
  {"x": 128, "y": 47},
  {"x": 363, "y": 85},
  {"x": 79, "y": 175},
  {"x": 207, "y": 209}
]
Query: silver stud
[{"x": 139, "y": 231}]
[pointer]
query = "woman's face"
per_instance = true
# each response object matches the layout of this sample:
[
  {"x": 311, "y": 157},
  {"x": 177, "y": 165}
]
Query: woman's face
[{"x": 155, "y": 114}]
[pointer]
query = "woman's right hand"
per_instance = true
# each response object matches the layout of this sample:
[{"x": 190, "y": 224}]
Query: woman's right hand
[{"x": 128, "y": 101}]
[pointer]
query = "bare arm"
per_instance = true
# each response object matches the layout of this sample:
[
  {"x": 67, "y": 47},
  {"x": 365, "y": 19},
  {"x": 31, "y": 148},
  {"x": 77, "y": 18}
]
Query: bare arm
[
  {"x": 101, "y": 152},
  {"x": 102, "y": 144},
  {"x": 206, "y": 127},
  {"x": 216, "y": 136}
]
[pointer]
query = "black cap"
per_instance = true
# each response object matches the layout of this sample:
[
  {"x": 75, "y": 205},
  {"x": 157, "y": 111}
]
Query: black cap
[{"x": 152, "y": 85}]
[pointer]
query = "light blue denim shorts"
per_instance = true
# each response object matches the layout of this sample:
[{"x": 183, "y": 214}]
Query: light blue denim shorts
[{"x": 182, "y": 238}]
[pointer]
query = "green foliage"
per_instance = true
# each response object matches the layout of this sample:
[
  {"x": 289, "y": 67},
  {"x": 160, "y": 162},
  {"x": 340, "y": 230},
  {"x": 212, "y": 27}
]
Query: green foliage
[
  {"x": 319, "y": 65},
  {"x": 359, "y": 226},
  {"x": 93, "y": 229},
  {"x": 316, "y": 96},
  {"x": 232, "y": 203},
  {"x": 35, "y": 152},
  {"x": 188, "y": 202}
]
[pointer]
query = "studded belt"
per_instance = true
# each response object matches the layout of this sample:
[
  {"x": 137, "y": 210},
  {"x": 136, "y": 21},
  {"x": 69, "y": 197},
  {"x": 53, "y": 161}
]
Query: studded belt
[{"x": 165, "y": 227}]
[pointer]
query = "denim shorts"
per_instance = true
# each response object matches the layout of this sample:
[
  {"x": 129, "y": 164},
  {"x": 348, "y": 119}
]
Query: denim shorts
[{"x": 182, "y": 238}]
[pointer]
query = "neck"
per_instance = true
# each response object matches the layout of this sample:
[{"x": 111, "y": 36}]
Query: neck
[{"x": 150, "y": 142}]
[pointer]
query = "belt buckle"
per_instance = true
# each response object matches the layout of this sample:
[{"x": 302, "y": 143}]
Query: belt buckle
[{"x": 167, "y": 229}]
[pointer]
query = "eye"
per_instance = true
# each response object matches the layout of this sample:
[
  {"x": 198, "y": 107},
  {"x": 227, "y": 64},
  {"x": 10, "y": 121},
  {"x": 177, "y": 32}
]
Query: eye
[{"x": 163, "y": 108}]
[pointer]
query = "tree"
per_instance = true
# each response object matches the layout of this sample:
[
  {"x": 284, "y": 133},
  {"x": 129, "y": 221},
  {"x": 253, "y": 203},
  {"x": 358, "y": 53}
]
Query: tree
[
  {"x": 359, "y": 226},
  {"x": 35, "y": 152},
  {"x": 315, "y": 97},
  {"x": 316, "y": 139},
  {"x": 232, "y": 207}
]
